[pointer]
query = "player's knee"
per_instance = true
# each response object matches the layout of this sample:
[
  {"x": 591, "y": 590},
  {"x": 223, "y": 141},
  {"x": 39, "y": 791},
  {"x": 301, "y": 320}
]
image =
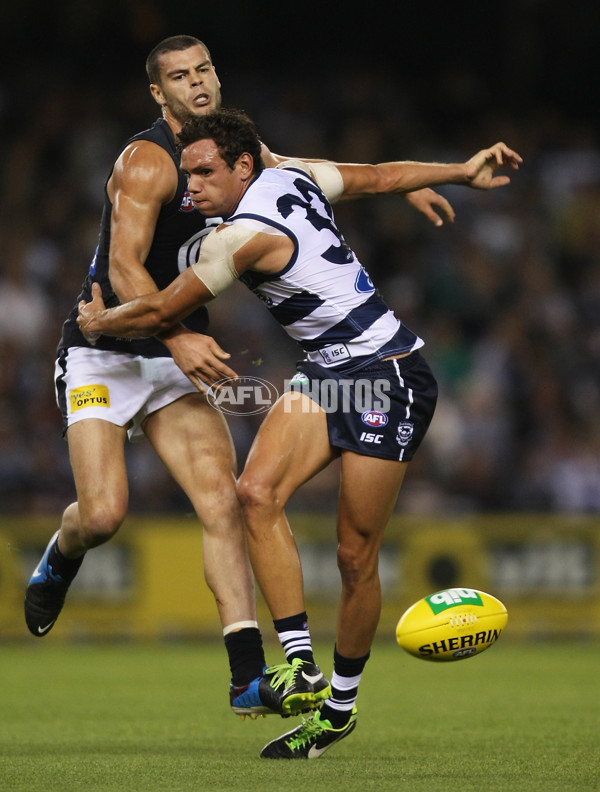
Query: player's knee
[
  {"x": 217, "y": 507},
  {"x": 355, "y": 563},
  {"x": 348, "y": 561},
  {"x": 254, "y": 494},
  {"x": 98, "y": 525}
]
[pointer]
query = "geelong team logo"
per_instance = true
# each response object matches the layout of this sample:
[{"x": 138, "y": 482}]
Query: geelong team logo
[
  {"x": 374, "y": 418},
  {"x": 404, "y": 433}
]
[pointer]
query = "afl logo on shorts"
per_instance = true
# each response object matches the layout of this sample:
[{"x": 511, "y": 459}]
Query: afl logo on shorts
[
  {"x": 186, "y": 203},
  {"x": 374, "y": 418}
]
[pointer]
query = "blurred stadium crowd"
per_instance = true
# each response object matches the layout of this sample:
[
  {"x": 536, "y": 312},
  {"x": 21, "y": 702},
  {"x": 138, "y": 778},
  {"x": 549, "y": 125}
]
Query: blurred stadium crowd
[{"x": 507, "y": 299}]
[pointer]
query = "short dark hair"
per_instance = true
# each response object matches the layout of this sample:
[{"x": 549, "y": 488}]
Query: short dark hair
[
  {"x": 171, "y": 44},
  {"x": 233, "y": 132}
]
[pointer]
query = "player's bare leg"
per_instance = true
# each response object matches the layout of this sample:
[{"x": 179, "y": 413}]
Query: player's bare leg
[
  {"x": 96, "y": 450},
  {"x": 290, "y": 447},
  {"x": 194, "y": 443},
  {"x": 368, "y": 493},
  {"x": 97, "y": 456}
]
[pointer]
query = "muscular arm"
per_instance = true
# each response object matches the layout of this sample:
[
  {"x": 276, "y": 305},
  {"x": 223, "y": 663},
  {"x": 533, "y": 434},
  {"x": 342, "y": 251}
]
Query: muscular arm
[
  {"x": 143, "y": 180},
  {"x": 227, "y": 249},
  {"x": 148, "y": 314},
  {"x": 426, "y": 201},
  {"x": 405, "y": 177},
  {"x": 400, "y": 177}
]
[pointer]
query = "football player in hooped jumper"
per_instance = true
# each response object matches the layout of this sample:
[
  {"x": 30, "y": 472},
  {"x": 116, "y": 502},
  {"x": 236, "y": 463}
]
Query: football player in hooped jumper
[{"x": 279, "y": 237}]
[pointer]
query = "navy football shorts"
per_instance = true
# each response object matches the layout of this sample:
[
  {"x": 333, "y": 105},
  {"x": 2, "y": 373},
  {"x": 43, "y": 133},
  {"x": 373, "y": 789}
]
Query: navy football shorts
[{"x": 381, "y": 410}]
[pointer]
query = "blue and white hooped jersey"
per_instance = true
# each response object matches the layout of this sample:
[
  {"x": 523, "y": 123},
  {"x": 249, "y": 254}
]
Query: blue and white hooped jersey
[{"x": 323, "y": 297}]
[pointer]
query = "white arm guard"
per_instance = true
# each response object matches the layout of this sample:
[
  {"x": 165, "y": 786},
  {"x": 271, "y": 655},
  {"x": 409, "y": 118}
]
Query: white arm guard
[
  {"x": 326, "y": 174},
  {"x": 215, "y": 267}
]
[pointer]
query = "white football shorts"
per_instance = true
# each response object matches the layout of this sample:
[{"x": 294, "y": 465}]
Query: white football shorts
[{"x": 116, "y": 387}]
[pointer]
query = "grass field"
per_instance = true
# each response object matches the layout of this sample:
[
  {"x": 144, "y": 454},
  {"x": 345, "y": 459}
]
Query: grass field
[{"x": 139, "y": 718}]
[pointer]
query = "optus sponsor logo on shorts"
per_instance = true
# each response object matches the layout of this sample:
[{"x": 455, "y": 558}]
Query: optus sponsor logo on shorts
[
  {"x": 243, "y": 395},
  {"x": 89, "y": 396}
]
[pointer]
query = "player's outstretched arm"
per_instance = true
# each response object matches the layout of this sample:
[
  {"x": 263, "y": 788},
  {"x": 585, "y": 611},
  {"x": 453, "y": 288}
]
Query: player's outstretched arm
[
  {"x": 399, "y": 177},
  {"x": 426, "y": 201}
]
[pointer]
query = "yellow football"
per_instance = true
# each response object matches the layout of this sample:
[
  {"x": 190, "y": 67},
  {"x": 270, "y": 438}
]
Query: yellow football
[{"x": 451, "y": 625}]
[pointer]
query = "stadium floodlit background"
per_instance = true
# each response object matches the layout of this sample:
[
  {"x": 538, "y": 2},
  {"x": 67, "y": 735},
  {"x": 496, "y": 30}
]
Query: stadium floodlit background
[{"x": 507, "y": 299}]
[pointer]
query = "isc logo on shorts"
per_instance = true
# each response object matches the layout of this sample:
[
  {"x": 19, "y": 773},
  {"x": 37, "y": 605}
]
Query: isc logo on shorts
[
  {"x": 371, "y": 437},
  {"x": 89, "y": 396}
]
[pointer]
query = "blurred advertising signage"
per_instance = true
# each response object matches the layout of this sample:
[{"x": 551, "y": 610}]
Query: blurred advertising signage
[{"x": 552, "y": 566}]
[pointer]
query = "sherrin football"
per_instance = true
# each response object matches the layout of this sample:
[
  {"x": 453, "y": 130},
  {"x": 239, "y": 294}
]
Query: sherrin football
[{"x": 451, "y": 625}]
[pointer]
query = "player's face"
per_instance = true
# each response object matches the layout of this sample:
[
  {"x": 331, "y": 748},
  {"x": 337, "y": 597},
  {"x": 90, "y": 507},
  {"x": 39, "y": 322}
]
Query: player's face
[
  {"x": 215, "y": 189},
  {"x": 189, "y": 85}
]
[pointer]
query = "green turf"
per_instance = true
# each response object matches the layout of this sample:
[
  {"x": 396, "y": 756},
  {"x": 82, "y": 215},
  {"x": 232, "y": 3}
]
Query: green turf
[{"x": 139, "y": 718}]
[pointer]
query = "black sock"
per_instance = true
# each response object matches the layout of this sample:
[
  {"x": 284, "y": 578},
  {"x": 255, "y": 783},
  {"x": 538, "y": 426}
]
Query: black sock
[
  {"x": 349, "y": 666},
  {"x": 60, "y": 565},
  {"x": 246, "y": 655},
  {"x": 347, "y": 671}
]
